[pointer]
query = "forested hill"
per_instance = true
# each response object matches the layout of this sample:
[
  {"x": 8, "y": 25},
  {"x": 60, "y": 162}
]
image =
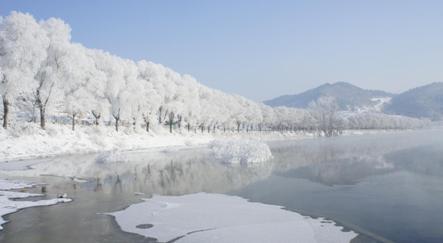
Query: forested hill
[
  {"x": 348, "y": 96},
  {"x": 424, "y": 101}
]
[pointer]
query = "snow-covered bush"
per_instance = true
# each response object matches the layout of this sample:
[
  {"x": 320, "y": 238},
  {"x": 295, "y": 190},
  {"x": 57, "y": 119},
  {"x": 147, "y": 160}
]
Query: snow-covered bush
[{"x": 234, "y": 151}]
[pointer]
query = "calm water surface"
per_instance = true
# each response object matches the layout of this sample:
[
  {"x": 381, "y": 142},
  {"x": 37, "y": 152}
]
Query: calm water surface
[{"x": 389, "y": 187}]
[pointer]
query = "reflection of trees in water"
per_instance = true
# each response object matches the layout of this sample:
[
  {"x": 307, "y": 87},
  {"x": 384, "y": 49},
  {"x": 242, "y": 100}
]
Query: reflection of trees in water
[
  {"x": 179, "y": 177},
  {"x": 337, "y": 161},
  {"x": 174, "y": 173}
]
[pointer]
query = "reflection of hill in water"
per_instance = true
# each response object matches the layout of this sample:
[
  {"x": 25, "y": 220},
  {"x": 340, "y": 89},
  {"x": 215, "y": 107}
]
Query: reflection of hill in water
[
  {"x": 348, "y": 160},
  {"x": 342, "y": 172},
  {"x": 421, "y": 159}
]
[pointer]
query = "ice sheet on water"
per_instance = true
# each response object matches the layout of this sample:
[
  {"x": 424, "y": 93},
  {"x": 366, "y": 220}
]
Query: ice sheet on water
[
  {"x": 7, "y": 205},
  {"x": 204, "y": 217}
]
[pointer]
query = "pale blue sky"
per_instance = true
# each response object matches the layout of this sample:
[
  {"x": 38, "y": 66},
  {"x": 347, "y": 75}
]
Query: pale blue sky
[{"x": 262, "y": 49}]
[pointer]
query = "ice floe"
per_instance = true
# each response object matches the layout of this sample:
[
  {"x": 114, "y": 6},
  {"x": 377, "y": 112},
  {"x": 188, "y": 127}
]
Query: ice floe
[
  {"x": 9, "y": 205},
  {"x": 204, "y": 217}
]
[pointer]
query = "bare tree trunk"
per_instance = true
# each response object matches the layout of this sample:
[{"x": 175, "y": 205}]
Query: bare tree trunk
[
  {"x": 116, "y": 123},
  {"x": 238, "y": 126},
  {"x": 73, "y": 121},
  {"x": 179, "y": 121},
  {"x": 42, "y": 107},
  {"x": 42, "y": 117},
  {"x": 97, "y": 117},
  {"x": 147, "y": 126},
  {"x": 146, "y": 119},
  {"x": 171, "y": 117},
  {"x": 34, "y": 112},
  {"x": 5, "y": 112},
  {"x": 160, "y": 109},
  {"x": 117, "y": 119}
]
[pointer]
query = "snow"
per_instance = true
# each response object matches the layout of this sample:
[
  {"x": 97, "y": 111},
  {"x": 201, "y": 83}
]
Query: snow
[
  {"x": 380, "y": 102},
  {"x": 20, "y": 144},
  {"x": 8, "y": 205},
  {"x": 31, "y": 142},
  {"x": 238, "y": 151},
  {"x": 204, "y": 217}
]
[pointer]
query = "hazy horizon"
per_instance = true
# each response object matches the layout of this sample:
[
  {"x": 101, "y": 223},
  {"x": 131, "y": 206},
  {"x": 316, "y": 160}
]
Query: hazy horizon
[{"x": 277, "y": 48}]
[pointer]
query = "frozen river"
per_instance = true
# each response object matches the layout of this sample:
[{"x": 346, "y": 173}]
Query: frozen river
[{"x": 387, "y": 187}]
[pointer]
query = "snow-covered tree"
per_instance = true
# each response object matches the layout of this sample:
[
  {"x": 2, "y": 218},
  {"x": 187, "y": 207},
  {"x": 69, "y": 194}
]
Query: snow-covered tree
[
  {"x": 50, "y": 71},
  {"x": 325, "y": 111},
  {"x": 39, "y": 61},
  {"x": 23, "y": 45},
  {"x": 78, "y": 73}
]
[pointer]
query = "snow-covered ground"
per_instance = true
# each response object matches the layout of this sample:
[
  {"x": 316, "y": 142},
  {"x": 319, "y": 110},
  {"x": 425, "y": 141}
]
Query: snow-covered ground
[
  {"x": 204, "y": 217},
  {"x": 7, "y": 196},
  {"x": 32, "y": 142}
]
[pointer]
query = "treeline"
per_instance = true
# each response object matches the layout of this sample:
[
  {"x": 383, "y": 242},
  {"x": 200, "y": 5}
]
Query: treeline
[{"x": 44, "y": 75}]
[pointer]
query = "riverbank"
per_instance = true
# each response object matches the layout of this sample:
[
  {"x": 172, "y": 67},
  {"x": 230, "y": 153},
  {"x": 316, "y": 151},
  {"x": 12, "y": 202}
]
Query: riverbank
[{"x": 31, "y": 142}]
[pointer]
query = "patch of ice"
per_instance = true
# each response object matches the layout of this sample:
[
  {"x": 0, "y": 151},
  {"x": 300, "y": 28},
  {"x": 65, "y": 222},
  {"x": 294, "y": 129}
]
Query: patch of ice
[
  {"x": 13, "y": 185},
  {"x": 204, "y": 217},
  {"x": 236, "y": 151},
  {"x": 8, "y": 205}
]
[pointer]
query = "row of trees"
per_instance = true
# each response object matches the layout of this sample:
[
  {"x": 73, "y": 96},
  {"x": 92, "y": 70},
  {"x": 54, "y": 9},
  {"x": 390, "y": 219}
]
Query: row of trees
[{"x": 42, "y": 72}]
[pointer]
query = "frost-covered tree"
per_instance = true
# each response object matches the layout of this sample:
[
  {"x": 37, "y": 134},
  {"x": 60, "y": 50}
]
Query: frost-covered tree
[
  {"x": 150, "y": 99},
  {"x": 50, "y": 71},
  {"x": 38, "y": 60},
  {"x": 116, "y": 89},
  {"x": 95, "y": 87},
  {"x": 325, "y": 111},
  {"x": 23, "y": 45},
  {"x": 78, "y": 73}
]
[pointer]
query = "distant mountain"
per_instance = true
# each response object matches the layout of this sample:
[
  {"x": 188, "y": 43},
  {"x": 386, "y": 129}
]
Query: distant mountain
[
  {"x": 424, "y": 101},
  {"x": 347, "y": 95}
]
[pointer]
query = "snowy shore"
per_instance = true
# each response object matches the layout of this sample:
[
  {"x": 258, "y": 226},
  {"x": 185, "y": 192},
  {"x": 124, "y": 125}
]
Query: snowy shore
[{"x": 31, "y": 142}]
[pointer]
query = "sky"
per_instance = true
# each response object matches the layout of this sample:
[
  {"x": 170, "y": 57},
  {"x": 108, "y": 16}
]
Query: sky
[{"x": 263, "y": 49}]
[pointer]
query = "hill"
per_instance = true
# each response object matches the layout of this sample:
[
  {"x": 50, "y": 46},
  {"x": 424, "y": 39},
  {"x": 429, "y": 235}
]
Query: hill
[
  {"x": 424, "y": 101},
  {"x": 347, "y": 95}
]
